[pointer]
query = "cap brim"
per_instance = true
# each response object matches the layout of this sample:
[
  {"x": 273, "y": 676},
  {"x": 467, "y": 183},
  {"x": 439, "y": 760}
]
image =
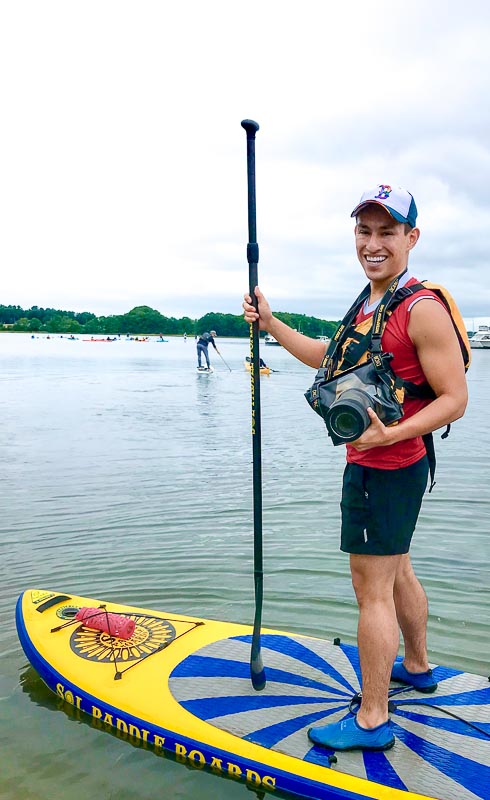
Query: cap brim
[{"x": 398, "y": 217}]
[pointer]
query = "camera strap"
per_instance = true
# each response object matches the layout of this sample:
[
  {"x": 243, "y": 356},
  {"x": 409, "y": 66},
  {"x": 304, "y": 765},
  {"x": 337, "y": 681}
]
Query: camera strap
[{"x": 369, "y": 341}]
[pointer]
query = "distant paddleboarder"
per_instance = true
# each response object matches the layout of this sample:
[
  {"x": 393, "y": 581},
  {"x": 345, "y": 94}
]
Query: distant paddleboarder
[{"x": 203, "y": 342}]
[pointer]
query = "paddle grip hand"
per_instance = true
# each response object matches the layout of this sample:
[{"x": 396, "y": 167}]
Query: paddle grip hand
[{"x": 257, "y": 309}]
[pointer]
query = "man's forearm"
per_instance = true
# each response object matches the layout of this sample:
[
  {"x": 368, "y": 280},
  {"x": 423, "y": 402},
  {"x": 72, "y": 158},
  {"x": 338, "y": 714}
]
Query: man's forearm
[{"x": 440, "y": 412}]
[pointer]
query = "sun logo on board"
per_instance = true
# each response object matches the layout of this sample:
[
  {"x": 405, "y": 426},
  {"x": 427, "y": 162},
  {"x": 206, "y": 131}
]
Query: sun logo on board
[{"x": 150, "y": 634}]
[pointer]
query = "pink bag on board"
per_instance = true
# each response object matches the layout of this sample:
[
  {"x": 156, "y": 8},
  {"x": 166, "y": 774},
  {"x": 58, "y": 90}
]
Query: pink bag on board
[{"x": 107, "y": 621}]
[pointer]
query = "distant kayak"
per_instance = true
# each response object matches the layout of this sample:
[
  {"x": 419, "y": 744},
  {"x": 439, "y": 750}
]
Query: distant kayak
[
  {"x": 263, "y": 370},
  {"x": 100, "y": 340}
]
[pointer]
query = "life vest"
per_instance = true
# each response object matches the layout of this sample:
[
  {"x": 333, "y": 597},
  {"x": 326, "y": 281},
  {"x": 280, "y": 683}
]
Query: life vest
[{"x": 353, "y": 344}]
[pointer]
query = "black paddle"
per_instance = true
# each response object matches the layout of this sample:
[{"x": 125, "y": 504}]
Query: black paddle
[{"x": 257, "y": 672}]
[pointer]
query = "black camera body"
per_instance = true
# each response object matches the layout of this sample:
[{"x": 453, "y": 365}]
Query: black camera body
[{"x": 342, "y": 401}]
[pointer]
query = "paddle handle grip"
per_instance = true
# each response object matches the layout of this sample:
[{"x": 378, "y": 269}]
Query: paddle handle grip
[{"x": 101, "y": 620}]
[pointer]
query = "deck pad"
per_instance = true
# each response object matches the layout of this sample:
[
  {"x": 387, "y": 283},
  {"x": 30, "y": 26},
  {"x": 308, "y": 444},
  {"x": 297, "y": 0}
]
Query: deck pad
[{"x": 312, "y": 682}]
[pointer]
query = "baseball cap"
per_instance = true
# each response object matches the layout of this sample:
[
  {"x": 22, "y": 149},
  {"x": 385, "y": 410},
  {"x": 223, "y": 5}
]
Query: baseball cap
[
  {"x": 397, "y": 201},
  {"x": 213, "y": 333}
]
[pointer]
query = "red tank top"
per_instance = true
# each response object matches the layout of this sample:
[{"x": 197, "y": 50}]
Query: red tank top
[{"x": 406, "y": 365}]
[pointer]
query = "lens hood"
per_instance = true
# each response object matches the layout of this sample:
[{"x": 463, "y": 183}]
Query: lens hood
[
  {"x": 342, "y": 401},
  {"x": 347, "y": 417}
]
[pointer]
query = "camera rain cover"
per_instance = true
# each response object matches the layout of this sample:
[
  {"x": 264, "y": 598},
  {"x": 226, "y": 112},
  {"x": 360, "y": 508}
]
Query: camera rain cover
[{"x": 376, "y": 381}]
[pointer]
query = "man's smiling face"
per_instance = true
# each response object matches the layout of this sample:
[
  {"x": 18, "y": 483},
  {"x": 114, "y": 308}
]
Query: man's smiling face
[{"x": 382, "y": 244}]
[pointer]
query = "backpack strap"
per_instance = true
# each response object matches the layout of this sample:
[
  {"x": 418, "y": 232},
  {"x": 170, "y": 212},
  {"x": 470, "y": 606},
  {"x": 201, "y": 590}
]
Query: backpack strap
[
  {"x": 423, "y": 390},
  {"x": 428, "y": 440}
]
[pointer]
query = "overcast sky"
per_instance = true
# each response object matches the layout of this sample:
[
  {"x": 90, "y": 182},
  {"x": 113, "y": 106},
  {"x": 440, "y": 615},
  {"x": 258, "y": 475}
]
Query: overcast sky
[{"x": 123, "y": 178}]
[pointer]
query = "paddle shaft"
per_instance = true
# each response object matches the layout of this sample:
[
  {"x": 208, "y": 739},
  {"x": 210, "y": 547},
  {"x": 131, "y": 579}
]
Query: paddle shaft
[
  {"x": 223, "y": 360},
  {"x": 257, "y": 673}
]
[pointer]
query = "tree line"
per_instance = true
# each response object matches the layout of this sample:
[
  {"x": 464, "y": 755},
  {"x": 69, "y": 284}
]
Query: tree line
[{"x": 144, "y": 320}]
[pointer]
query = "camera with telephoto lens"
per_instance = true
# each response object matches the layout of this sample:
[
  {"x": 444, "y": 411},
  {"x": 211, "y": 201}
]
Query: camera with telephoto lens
[{"x": 343, "y": 401}]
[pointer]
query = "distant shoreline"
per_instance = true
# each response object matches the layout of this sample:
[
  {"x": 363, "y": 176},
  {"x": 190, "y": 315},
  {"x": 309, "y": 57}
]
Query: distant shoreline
[{"x": 144, "y": 321}]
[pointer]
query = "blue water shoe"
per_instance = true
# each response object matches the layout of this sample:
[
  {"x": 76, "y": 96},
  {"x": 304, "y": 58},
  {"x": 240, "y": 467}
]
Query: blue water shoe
[
  {"x": 421, "y": 681},
  {"x": 348, "y": 735}
]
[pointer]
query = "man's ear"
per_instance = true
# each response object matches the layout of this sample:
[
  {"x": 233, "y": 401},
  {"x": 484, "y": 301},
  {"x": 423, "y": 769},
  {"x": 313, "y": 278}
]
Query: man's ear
[{"x": 413, "y": 237}]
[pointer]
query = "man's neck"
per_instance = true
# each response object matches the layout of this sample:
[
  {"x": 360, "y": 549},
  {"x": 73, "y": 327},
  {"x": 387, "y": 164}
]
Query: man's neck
[{"x": 378, "y": 288}]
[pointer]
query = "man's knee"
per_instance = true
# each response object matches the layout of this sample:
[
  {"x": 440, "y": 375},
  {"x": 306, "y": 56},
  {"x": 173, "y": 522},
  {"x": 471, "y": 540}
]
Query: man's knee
[
  {"x": 373, "y": 577},
  {"x": 404, "y": 571}
]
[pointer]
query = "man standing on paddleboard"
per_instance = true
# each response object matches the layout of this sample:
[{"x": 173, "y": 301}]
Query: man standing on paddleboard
[
  {"x": 202, "y": 348},
  {"x": 387, "y": 466}
]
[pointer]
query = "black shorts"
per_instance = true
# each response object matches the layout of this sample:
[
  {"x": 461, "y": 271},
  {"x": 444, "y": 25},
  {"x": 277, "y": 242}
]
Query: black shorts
[{"x": 380, "y": 508}]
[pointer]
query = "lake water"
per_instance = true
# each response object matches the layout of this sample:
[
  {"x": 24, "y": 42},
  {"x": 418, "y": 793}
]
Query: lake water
[{"x": 127, "y": 476}]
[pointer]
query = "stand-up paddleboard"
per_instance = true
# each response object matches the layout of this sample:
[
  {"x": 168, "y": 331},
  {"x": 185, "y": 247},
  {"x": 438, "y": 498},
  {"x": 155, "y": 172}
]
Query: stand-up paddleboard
[
  {"x": 183, "y": 684},
  {"x": 205, "y": 370}
]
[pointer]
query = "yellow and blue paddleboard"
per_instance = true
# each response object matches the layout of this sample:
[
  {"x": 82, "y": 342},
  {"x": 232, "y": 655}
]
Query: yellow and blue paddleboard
[{"x": 182, "y": 684}]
